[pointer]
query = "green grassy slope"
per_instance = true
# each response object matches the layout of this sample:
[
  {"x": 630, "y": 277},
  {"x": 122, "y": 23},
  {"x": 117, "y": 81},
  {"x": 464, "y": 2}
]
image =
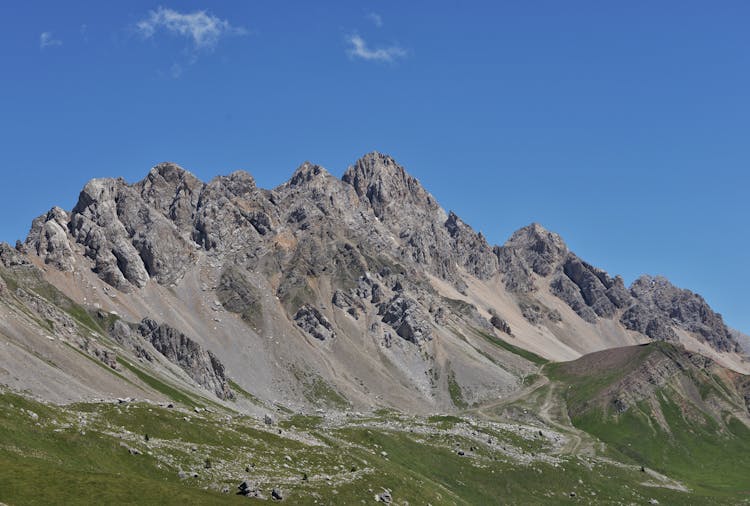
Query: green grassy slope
[
  {"x": 687, "y": 427},
  {"x": 75, "y": 455}
]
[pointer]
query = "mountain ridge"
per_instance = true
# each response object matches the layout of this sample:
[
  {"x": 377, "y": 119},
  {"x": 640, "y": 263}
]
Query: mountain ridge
[
  {"x": 368, "y": 266},
  {"x": 189, "y": 326}
]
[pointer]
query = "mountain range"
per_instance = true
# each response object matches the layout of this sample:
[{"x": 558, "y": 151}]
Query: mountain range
[{"x": 353, "y": 295}]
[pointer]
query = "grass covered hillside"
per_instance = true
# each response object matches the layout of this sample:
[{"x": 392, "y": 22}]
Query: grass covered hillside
[
  {"x": 133, "y": 452},
  {"x": 659, "y": 406}
]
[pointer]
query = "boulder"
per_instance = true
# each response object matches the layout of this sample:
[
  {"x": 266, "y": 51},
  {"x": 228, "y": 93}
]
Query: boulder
[
  {"x": 384, "y": 497},
  {"x": 312, "y": 321},
  {"x": 501, "y": 325},
  {"x": 406, "y": 317}
]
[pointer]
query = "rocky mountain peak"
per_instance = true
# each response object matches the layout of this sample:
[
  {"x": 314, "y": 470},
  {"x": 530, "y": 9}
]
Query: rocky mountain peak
[
  {"x": 656, "y": 295},
  {"x": 48, "y": 238},
  {"x": 389, "y": 189},
  {"x": 308, "y": 173},
  {"x": 152, "y": 230},
  {"x": 531, "y": 250},
  {"x": 537, "y": 239},
  {"x": 98, "y": 190},
  {"x": 454, "y": 224},
  {"x": 237, "y": 184},
  {"x": 169, "y": 171},
  {"x": 172, "y": 190}
]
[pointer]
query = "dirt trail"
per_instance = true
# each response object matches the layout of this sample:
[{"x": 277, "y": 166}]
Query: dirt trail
[
  {"x": 577, "y": 442},
  {"x": 514, "y": 397}
]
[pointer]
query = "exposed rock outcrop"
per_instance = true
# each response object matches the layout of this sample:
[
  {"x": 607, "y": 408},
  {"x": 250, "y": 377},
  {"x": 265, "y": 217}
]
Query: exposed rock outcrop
[
  {"x": 10, "y": 257},
  {"x": 128, "y": 240},
  {"x": 601, "y": 293},
  {"x": 405, "y": 316},
  {"x": 354, "y": 241},
  {"x": 537, "y": 313},
  {"x": 49, "y": 239},
  {"x": 470, "y": 248},
  {"x": 312, "y": 321},
  {"x": 652, "y": 306},
  {"x": 661, "y": 303},
  {"x": 348, "y": 303},
  {"x": 231, "y": 213},
  {"x": 430, "y": 238},
  {"x": 501, "y": 325},
  {"x": 239, "y": 295},
  {"x": 201, "y": 365},
  {"x": 530, "y": 251}
]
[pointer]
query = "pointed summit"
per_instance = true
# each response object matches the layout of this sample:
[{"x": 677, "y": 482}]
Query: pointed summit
[
  {"x": 168, "y": 171},
  {"x": 172, "y": 190},
  {"x": 677, "y": 305},
  {"x": 307, "y": 173},
  {"x": 544, "y": 247},
  {"x": 530, "y": 250},
  {"x": 390, "y": 190}
]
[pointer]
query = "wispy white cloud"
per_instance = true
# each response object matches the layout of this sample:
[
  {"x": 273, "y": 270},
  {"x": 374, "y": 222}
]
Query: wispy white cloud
[
  {"x": 47, "y": 40},
  {"x": 358, "y": 49},
  {"x": 175, "y": 71},
  {"x": 201, "y": 27},
  {"x": 376, "y": 18}
]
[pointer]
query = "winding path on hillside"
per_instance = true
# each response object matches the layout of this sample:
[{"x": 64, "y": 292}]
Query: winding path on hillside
[{"x": 574, "y": 440}]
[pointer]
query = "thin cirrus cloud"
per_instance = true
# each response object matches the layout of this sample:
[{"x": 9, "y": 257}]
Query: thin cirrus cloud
[
  {"x": 376, "y": 18},
  {"x": 46, "y": 39},
  {"x": 201, "y": 27},
  {"x": 358, "y": 49}
]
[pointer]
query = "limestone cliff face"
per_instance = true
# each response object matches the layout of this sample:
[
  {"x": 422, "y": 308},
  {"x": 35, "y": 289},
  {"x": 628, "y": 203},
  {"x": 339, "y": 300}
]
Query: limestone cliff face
[
  {"x": 662, "y": 301},
  {"x": 651, "y": 305},
  {"x": 128, "y": 240},
  {"x": 428, "y": 236},
  {"x": 201, "y": 365},
  {"x": 316, "y": 234}
]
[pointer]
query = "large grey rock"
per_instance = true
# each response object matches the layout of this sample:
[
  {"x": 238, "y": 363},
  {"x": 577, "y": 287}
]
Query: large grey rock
[
  {"x": 591, "y": 285},
  {"x": 173, "y": 191},
  {"x": 642, "y": 319},
  {"x": 501, "y": 325},
  {"x": 564, "y": 288},
  {"x": 537, "y": 313},
  {"x": 201, "y": 365},
  {"x": 131, "y": 233},
  {"x": 237, "y": 293},
  {"x": 129, "y": 338},
  {"x": 249, "y": 489},
  {"x": 312, "y": 321},
  {"x": 11, "y": 257},
  {"x": 391, "y": 192},
  {"x": 128, "y": 240},
  {"x": 348, "y": 303},
  {"x": 231, "y": 213},
  {"x": 49, "y": 239},
  {"x": 683, "y": 308},
  {"x": 406, "y": 317},
  {"x": 471, "y": 248}
]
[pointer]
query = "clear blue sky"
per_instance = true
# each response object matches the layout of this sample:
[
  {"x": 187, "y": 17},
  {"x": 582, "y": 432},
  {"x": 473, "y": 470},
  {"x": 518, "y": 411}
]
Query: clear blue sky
[{"x": 624, "y": 126}]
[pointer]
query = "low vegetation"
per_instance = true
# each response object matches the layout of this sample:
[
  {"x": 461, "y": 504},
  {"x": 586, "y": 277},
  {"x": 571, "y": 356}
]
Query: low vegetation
[{"x": 146, "y": 453}]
